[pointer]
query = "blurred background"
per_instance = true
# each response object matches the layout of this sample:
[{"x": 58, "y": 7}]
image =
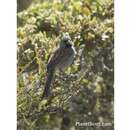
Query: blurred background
[{"x": 84, "y": 92}]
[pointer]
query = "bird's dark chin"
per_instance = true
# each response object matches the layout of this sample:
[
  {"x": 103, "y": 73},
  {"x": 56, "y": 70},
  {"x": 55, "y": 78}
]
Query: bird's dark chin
[{"x": 68, "y": 45}]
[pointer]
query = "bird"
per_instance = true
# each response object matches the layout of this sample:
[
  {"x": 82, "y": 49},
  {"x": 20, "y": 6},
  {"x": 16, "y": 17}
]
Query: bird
[{"x": 62, "y": 58}]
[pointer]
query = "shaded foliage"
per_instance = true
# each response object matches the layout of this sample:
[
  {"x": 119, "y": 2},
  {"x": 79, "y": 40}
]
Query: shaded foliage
[{"x": 84, "y": 92}]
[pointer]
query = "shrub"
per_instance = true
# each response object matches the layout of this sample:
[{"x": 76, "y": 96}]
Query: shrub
[{"x": 84, "y": 92}]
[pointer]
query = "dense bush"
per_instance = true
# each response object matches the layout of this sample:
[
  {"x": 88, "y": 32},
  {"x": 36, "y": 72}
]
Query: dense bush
[{"x": 84, "y": 92}]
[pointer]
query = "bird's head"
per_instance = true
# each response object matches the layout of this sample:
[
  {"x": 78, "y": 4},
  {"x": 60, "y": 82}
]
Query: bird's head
[{"x": 66, "y": 41}]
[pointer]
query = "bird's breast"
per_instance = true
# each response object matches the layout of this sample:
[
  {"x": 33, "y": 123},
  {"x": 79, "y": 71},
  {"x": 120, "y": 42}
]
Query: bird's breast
[{"x": 67, "y": 60}]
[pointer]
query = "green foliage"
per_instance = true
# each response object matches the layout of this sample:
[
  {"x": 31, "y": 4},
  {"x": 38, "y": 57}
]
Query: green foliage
[{"x": 84, "y": 92}]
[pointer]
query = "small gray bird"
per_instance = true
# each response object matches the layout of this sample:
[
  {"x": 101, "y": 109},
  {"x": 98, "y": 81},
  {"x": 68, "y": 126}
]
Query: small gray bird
[{"x": 61, "y": 59}]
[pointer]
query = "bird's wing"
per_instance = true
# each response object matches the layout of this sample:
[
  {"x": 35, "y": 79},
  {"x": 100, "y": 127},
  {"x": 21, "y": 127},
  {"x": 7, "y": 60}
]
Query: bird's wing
[{"x": 57, "y": 56}]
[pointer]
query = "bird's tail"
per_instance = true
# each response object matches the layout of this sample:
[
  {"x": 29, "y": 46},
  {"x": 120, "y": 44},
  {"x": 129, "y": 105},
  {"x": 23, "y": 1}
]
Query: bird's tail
[{"x": 49, "y": 79}]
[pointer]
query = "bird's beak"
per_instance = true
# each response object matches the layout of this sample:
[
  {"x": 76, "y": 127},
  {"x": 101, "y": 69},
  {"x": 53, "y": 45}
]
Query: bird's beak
[{"x": 71, "y": 42}]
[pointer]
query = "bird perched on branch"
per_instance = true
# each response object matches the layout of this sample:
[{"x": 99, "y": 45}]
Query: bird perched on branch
[{"x": 61, "y": 59}]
